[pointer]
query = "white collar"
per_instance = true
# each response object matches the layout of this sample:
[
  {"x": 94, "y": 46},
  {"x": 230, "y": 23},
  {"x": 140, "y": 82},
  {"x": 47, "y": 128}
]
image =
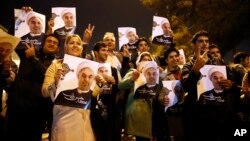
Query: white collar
[
  {"x": 68, "y": 27},
  {"x": 33, "y": 35},
  {"x": 81, "y": 91},
  {"x": 218, "y": 91},
  {"x": 150, "y": 86}
]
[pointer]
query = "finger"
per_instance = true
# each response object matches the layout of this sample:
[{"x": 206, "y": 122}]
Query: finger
[
  {"x": 27, "y": 46},
  {"x": 204, "y": 54},
  {"x": 89, "y": 26},
  {"x": 32, "y": 45},
  {"x": 93, "y": 28},
  {"x": 197, "y": 51}
]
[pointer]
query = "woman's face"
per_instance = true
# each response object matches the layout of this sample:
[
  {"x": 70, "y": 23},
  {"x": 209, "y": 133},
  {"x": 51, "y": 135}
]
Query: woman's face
[
  {"x": 74, "y": 47},
  {"x": 146, "y": 58}
]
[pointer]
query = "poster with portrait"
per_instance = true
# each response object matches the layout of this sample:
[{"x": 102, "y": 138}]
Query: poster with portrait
[
  {"x": 173, "y": 87},
  {"x": 21, "y": 22},
  {"x": 149, "y": 74},
  {"x": 75, "y": 68},
  {"x": 123, "y": 33},
  {"x": 104, "y": 69},
  {"x": 156, "y": 28},
  {"x": 58, "y": 13},
  {"x": 210, "y": 75}
]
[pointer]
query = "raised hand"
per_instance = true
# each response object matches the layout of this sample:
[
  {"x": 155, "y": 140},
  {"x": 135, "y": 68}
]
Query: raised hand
[
  {"x": 135, "y": 75},
  {"x": 51, "y": 24},
  {"x": 125, "y": 51},
  {"x": 27, "y": 9},
  {"x": 59, "y": 73},
  {"x": 200, "y": 59},
  {"x": 88, "y": 32},
  {"x": 30, "y": 51},
  {"x": 226, "y": 84}
]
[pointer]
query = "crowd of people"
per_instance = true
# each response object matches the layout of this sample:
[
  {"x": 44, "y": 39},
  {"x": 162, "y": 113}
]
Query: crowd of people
[{"x": 33, "y": 109}]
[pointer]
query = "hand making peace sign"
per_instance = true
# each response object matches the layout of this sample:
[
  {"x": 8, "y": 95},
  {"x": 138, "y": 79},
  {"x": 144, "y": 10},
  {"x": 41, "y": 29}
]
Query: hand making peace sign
[
  {"x": 88, "y": 32},
  {"x": 200, "y": 59}
]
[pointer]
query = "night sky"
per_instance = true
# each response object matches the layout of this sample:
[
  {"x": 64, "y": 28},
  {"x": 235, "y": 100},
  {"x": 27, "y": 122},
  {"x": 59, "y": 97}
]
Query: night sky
[{"x": 106, "y": 15}]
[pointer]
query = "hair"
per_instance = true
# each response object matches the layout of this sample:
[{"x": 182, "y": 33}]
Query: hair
[
  {"x": 240, "y": 56},
  {"x": 142, "y": 55},
  {"x": 98, "y": 45},
  {"x": 211, "y": 46},
  {"x": 198, "y": 34},
  {"x": 168, "y": 51},
  {"x": 70, "y": 36},
  {"x": 109, "y": 34}
]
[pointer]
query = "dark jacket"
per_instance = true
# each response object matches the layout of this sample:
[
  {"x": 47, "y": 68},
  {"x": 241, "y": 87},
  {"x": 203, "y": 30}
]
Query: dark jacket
[{"x": 199, "y": 117}]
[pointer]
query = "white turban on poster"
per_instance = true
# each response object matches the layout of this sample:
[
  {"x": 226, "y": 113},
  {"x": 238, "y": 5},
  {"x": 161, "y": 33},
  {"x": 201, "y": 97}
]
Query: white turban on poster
[
  {"x": 205, "y": 83},
  {"x": 142, "y": 68}
]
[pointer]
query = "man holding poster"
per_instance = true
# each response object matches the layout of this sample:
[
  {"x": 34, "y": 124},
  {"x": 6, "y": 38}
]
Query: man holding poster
[{"x": 198, "y": 117}]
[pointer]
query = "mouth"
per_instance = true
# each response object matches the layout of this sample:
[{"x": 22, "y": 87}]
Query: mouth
[{"x": 75, "y": 49}]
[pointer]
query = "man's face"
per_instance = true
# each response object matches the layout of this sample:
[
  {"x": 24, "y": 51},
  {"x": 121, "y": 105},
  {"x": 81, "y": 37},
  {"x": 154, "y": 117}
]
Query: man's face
[
  {"x": 103, "y": 70},
  {"x": 143, "y": 46},
  {"x": 215, "y": 53},
  {"x": 50, "y": 45},
  {"x": 151, "y": 75},
  {"x": 246, "y": 62},
  {"x": 131, "y": 36},
  {"x": 173, "y": 59},
  {"x": 216, "y": 77},
  {"x": 5, "y": 50},
  {"x": 35, "y": 26},
  {"x": 102, "y": 54},
  {"x": 110, "y": 43},
  {"x": 166, "y": 29},
  {"x": 68, "y": 19},
  {"x": 74, "y": 47},
  {"x": 202, "y": 42},
  {"x": 85, "y": 79}
]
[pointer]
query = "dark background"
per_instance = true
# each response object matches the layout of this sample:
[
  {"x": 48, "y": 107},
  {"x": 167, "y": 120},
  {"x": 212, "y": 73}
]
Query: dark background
[{"x": 106, "y": 15}]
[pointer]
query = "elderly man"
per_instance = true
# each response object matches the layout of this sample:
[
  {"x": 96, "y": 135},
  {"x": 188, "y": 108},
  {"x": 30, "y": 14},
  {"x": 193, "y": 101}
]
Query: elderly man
[
  {"x": 69, "y": 24},
  {"x": 36, "y": 36},
  {"x": 8, "y": 69},
  {"x": 69, "y": 27},
  {"x": 166, "y": 39}
]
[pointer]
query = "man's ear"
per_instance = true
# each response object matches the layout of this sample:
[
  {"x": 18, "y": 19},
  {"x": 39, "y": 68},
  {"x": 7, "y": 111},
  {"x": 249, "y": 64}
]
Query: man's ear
[
  {"x": 96, "y": 53},
  {"x": 193, "y": 45}
]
